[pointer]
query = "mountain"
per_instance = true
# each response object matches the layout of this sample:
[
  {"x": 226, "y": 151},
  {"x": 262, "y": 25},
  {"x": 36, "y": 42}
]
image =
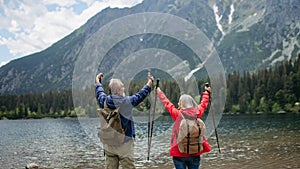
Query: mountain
[
  {"x": 248, "y": 35},
  {"x": 269, "y": 34}
]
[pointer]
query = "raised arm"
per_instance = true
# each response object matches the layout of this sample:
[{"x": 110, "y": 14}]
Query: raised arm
[
  {"x": 174, "y": 112},
  {"x": 204, "y": 102},
  {"x": 142, "y": 94},
  {"x": 100, "y": 94}
]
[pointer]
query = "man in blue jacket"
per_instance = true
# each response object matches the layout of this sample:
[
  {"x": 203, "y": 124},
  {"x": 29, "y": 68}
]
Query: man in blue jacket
[{"x": 123, "y": 154}]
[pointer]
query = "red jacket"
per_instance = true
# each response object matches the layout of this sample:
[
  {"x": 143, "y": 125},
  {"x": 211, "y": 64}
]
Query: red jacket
[{"x": 175, "y": 114}]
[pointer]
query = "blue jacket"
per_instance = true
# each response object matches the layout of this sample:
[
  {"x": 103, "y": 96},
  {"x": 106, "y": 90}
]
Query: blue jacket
[{"x": 126, "y": 104}]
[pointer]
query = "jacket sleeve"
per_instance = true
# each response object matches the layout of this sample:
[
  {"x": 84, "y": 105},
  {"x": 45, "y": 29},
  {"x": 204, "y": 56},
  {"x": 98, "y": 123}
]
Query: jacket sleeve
[
  {"x": 206, "y": 146},
  {"x": 203, "y": 104},
  {"x": 140, "y": 96},
  {"x": 100, "y": 95},
  {"x": 174, "y": 112}
]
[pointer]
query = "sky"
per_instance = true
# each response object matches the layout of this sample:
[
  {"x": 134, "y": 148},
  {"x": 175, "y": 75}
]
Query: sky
[{"x": 30, "y": 26}]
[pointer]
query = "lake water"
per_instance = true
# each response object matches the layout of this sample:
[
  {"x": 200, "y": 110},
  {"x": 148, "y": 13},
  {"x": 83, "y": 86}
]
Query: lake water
[{"x": 246, "y": 141}]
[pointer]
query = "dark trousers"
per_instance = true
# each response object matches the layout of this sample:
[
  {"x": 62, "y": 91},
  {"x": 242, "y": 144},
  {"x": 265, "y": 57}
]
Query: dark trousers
[{"x": 192, "y": 162}]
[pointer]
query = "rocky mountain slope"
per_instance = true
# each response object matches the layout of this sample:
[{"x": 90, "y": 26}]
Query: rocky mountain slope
[{"x": 248, "y": 35}]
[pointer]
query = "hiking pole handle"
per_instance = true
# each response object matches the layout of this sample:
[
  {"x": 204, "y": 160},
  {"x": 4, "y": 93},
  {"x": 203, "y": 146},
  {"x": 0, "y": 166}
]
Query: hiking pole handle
[
  {"x": 157, "y": 83},
  {"x": 207, "y": 86}
]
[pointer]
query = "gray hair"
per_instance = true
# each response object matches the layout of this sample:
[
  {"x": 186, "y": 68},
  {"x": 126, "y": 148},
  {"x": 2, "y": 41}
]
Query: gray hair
[
  {"x": 114, "y": 85},
  {"x": 187, "y": 102}
]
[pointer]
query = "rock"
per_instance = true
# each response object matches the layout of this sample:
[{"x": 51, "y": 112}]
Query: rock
[{"x": 31, "y": 166}]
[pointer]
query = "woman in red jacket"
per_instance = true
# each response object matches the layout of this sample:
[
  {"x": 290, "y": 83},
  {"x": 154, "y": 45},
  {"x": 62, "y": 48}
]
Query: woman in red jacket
[{"x": 189, "y": 107}]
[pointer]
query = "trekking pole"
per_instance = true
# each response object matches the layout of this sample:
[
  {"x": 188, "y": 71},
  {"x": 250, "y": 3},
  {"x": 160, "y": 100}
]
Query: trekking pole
[
  {"x": 216, "y": 133},
  {"x": 153, "y": 116},
  {"x": 149, "y": 117},
  {"x": 149, "y": 135},
  {"x": 213, "y": 117}
]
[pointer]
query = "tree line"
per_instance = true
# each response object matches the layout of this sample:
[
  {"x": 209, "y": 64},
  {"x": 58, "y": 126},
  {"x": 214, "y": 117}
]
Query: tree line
[
  {"x": 49, "y": 104},
  {"x": 275, "y": 89}
]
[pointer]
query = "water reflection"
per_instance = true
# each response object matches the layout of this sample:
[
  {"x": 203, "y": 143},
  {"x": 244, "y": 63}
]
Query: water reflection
[{"x": 247, "y": 141}]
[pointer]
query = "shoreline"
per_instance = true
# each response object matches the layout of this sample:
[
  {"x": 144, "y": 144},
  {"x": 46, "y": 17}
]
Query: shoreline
[{"x": 163, "y": 115}]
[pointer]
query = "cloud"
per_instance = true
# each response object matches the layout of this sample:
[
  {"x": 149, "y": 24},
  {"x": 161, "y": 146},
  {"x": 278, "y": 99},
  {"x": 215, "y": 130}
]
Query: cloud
[
  {"x": 35, "y": 28},
  {"x": 60, "y": 2}
]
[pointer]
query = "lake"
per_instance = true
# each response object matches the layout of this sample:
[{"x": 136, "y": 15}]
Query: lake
[{"x": 246, "y": 141}]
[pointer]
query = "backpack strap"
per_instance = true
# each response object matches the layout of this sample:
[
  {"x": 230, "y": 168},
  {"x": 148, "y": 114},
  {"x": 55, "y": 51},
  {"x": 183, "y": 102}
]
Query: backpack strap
[
  {"x": 110, "y": 115},
  {"x": 199, "y": 135},
  {"x": 105, "y": 104},
  {"x": 188, "y": 137},
  {"x": 188, "y": 133}
]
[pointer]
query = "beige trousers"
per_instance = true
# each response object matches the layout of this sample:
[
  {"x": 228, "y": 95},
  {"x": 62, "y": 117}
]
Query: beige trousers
[{"x": 123, "y": 154}]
